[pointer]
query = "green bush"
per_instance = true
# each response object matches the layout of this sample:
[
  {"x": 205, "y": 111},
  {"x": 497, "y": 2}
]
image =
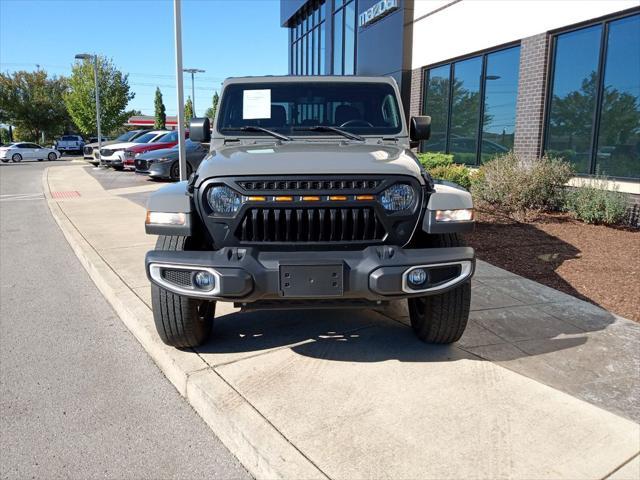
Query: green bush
[
  {"x": 593, "y": 203},
  {"x": 431, "y": 160},
  {"x": 516, "y": 187},
  {"x": 453, "y": 173}
]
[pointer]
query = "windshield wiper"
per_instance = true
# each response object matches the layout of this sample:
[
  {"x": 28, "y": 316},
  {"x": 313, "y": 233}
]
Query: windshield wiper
[
  {"x": 255, "y": 128},
  {"x": 329, "y": 128}
]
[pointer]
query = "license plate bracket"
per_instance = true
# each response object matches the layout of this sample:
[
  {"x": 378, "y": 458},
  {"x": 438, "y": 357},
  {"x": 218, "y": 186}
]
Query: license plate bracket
[{"x": 311, "y": 281}]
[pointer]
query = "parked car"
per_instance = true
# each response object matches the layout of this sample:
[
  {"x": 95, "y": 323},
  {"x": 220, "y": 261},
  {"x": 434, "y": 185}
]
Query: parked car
[
  {"x": 166, "y": 141},
  {"x": 16, "y": 152},
  {"x": 90, "y": 150},
  {"x": 163, "y": 164},
  {"x": 331, "y": 210},
  {"x": 113, "y": 155},
  {"x": 70, "y": 143}
]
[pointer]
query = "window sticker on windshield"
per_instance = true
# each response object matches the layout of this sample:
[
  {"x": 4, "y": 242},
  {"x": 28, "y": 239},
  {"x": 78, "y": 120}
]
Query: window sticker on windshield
[{"x": 256, "y": 104}]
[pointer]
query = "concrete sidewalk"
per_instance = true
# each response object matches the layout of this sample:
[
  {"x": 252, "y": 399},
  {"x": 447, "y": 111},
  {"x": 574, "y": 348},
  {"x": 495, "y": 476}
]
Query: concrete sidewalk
[{"x": 542, "y": 385}]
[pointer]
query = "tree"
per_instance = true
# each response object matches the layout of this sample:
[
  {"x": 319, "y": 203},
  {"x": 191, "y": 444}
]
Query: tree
[
  {"x": 188, "y": 111},
  {"x": 211, "y": 111},
  {"x": 114, "y": 96},
  {"x": 161, "y": 115},
  {"x": 33, "y": 102}
]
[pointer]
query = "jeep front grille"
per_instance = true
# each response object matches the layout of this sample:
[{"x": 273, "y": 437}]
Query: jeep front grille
[
  {"x": 315, "y": 224},
  {"x": 286, "y": 186}
]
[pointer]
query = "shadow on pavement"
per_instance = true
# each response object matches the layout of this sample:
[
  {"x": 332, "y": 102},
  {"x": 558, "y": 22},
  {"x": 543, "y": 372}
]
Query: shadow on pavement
[{"x": 364, "y": 336}]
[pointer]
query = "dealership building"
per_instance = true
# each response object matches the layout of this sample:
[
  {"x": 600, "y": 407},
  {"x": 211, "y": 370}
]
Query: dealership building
[{"x": 533, "y": 76}]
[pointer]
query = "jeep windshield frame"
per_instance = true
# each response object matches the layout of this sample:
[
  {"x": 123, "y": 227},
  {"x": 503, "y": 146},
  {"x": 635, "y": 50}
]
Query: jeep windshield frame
[{"x": 294, "y": 107}]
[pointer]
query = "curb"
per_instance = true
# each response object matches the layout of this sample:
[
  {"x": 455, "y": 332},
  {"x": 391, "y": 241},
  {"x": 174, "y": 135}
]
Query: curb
[{"x": 255, "y": 442}]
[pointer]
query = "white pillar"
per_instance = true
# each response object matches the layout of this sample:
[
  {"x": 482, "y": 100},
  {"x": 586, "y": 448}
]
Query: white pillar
[{"x": 177, "y": 18}]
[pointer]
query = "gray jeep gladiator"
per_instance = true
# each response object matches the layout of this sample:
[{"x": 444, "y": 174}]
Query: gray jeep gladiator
[{"x": 310, "y": 197}]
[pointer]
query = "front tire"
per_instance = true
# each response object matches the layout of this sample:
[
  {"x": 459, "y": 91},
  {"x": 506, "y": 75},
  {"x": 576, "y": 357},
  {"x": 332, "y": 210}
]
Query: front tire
[
  {"x": 118, "y": 168},
  {"x": 181, "y": 322},
  {"x": 51, "y": 157},
  {"x": 174, "y": 172},
  {"x": 16, "y": 157},
  {"x": 442, "y": 318}
]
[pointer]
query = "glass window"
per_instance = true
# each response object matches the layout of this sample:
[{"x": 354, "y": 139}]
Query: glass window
[
  {"x": 455, "y": 106},
  {"x": 323, "y": 11},
  {"x": 309, "y": 54},
  {"x": 465, "y": 110},
  {"x": 337, "y": 43},
  {"x": 500, "y": 98},
  {"x": 437, "y": 106},
  {"x": 350, "y": 38},
  {"x": 574, "y": 96},
  {"x": 618, "y": 149},
  {"x": 314, "y": 55},
  {"x": 322, "y": 52}
]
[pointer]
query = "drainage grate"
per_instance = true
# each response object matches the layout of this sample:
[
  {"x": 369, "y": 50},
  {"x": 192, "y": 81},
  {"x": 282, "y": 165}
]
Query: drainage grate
[{"x": 65, "y": 195}]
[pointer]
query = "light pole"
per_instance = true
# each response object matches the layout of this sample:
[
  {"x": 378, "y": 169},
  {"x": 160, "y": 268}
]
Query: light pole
[
  {"x": 177, "y": 24},
  {"x": 87, "y": 56},
  {"x": 193, "y": 71}
]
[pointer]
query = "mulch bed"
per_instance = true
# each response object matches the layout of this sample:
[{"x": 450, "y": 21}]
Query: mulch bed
[{"x": 592, "y": 262}]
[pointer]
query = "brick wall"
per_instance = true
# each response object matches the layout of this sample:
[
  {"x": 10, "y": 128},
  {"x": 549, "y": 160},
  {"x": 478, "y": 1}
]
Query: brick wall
[
  {"x": 534, "y": 54},
  {"x": 415, "y": 98}
]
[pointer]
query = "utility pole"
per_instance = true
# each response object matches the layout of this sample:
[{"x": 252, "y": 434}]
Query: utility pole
[
  {"x": 87, "y": 56},
  {"x": 193, "y": 71},
  {"x": 177, "y": 19}
]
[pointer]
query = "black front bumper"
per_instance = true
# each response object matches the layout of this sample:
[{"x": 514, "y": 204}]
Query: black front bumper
[{"x": 374, "y": 274}]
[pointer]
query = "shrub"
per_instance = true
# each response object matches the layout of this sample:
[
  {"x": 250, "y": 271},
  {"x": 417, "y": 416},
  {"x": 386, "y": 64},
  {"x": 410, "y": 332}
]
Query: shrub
[
  {"x": 431, "y": 160},
  {"x": 591, "y": 202},
  {"x": 453, "y": 173},
  {"x": 516, "y": 188}
]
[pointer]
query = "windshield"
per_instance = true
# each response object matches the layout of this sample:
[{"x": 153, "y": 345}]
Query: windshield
[
  {"x": 363, "y": 108},
  {"x": 126, "y": 136},
  {"x": 169, "y": 137},
  {"x": 145, "y": 138},
  {"x": 188, "y": 144}
]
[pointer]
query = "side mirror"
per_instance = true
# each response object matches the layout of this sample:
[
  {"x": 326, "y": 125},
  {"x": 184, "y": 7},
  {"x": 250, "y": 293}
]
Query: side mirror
[
  {"x": 200, "y": 130},
  {"x": 420, "y": 128}
]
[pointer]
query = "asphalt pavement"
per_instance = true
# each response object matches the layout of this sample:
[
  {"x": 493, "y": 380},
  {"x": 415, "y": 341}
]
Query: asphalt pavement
[{"x": 79, "y": 397}]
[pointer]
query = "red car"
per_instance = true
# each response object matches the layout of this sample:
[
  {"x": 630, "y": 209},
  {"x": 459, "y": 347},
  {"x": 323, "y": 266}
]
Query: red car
[{"x": 168, "y": 140}]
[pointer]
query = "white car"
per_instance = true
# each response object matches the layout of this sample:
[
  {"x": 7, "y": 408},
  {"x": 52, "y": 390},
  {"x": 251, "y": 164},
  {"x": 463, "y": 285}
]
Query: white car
[
  {"x": 16, "y": 152},
  {"x": 113, "y": 155}
]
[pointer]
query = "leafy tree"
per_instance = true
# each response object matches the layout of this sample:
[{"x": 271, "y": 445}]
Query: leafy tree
[
  {"x": 4, "y": 135},
  {"x": 188, "y": 111},
  {"x": 161, "y": 115},
  {"x": 33, "y": 103},
  {"x": 211, "y": 111},
  {"x": 114, "y": 96}
]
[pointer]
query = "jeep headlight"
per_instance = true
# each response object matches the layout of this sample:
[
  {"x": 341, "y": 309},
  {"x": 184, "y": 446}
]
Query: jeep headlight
[
  {"x": 223, "y": 200},
  {"x": 397, "y": 197}
]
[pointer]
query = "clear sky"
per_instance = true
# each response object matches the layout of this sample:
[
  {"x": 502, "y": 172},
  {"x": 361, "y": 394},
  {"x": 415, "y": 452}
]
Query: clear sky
[{"x": 224, "y": 37}]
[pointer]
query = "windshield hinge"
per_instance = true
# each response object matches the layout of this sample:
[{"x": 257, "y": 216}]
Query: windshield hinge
[
  {"x": 231, "y": 140},
  {"x": 389, "y": 140}
]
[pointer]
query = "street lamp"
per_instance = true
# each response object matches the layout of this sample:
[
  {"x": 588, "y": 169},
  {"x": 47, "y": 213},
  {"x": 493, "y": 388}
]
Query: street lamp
[
  {"x": 193, "y": 71},
  {"x": 177, "y": 30},
  {"x": 89, "y": 57}
]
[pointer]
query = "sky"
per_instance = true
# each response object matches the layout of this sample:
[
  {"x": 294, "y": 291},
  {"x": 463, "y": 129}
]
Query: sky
[{"x": 224, "y": 37}]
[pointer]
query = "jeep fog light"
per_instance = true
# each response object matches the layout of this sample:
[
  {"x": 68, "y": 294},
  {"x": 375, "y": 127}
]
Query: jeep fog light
[
  {"x": 417, "y": 277},
  {"x": 461, "y": 215},
  {"x": 165, "y": 218},
  {"x": 204, "y": 280}
]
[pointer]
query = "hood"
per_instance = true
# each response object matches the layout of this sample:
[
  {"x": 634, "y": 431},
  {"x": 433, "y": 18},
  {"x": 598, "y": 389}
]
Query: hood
[
  {"x": 305, "y": 158},
  {"x": 123, "y": 145},
  {"x": 143, "y": 147},
  {"x": 161, "y": 153},
  {"x": 104, "y": 144}
]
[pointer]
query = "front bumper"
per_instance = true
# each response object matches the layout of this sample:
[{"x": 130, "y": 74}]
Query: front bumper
[{"x": 374, "y": 274}]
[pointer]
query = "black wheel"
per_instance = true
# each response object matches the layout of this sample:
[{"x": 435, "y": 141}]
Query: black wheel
[
  {"x": 442, "y": 318},
  {"x": 16, "y": 157},
  {"x": 5, "y": 160},
  {"x": 119, "y": 168},
  {"x": 174, "y": 173},
  {"x": 51, "y": 157},
  {"x": 181, "y": 322}
]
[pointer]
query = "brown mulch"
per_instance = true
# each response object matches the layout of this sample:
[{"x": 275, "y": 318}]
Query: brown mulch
[{"x": 592, "y": 262}]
